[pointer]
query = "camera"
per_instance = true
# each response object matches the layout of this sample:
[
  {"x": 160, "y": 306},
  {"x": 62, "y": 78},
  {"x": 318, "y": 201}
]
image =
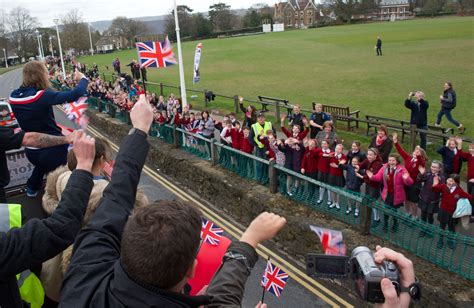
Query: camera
[{"x": 360, "y": 267}]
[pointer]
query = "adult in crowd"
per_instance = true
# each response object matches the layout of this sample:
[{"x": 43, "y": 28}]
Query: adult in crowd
[
  {"x": 394, "y": 177},
  {"x": 144, "y": 72},
  {"x": 297, "y": 118},
  {"x": 317, "y": 119},
  {"x": 250, "y": 113},
  {"x": 448, "y": 103},
  {"x": 413, "y": 163},
  {"x": 382, "y": 142},
  {"x": 429, "y": 199},
  {"x": 206, "y": 125},
  {"x": 418, "y": 116},
  {"x": 378, "y": 46},
  {"x": 258, "y": 138},
  {"x": 328, "y": 134},
  {"x": 111, "y": 266},
  {"x": 39, "y": 240},
  {"x": 33, "y": 104},
  {"x": 9, "y": 140},
  {"x": 116, "y": 65}
]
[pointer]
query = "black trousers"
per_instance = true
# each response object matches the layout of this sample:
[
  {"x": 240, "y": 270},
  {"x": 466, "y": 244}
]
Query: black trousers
[
  {"x": 3, "y": 197},
  {"x": 379, "y": 51}
]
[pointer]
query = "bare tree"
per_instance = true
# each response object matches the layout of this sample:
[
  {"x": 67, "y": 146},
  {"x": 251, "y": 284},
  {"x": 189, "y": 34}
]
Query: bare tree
[
  {"x": 75, "y": 33},
  {"x": 221, "y": 17},
  {"x": 127, "y": 28},
  {"x": 22, "y": 28}
]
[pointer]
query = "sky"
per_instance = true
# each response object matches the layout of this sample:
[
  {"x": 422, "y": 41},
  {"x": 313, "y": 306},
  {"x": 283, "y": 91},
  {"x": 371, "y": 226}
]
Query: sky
[{"x": 94, "y": 10}]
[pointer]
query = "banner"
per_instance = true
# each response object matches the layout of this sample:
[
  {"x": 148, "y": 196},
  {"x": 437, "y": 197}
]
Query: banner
[
  {"x": 19, "y": 166},
  {"x": 197, "y": 60}
]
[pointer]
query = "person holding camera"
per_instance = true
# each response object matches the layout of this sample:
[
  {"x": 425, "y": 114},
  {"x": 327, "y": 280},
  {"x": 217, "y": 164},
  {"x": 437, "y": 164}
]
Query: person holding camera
[
  {"x": 419, "y": 116},
  {"x": 448, "y": 103}
]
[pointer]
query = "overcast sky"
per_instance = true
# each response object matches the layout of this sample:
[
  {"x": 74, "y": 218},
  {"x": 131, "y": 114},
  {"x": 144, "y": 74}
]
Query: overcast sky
[{"x": 95, "y": 10}]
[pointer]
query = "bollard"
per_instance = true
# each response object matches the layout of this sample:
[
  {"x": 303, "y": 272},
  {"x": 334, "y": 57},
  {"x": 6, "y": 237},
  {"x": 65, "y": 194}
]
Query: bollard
[
  {"x": 175, "y": 137},
  {"x": 214, "y": 153},
  {"x": 236, "y": 104},
  {"x": 273, "y": 177}
]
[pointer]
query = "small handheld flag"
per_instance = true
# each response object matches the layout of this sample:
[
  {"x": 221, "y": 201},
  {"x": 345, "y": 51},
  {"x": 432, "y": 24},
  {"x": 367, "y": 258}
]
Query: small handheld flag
[
  {"x": 273, "y": 279},
  {"x": 75, "y": 111},
  {"x": 211, "y": 233},
  {"x": 156, "y": 54},
  {"x": 331, "y": 240}
]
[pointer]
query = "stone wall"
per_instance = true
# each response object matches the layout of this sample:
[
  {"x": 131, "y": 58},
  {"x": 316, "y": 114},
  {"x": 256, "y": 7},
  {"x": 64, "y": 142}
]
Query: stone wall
[{"x": 242, "y": 200}]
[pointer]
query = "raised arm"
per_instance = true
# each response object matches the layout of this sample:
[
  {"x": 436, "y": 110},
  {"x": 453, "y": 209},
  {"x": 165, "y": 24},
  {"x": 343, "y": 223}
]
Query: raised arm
[
  {"x": 40, "y": 240},
  {"x": 51, "y": 97}
]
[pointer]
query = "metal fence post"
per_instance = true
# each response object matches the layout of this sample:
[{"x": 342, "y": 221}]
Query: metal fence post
[
  {"x": 176, "y": 137},
  {"x": 161, "y": 89},
  {"x": 412, "y": 136},
  {"x": 214, "y": 152},
  {"x": 273, "y": 177},
  {"x": 365, "y": 216}
]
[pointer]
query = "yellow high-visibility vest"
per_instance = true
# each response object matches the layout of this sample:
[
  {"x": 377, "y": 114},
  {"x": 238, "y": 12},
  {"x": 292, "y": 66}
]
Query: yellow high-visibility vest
[
  {"x": 31, "y": 289},
  {"x": 257, "y": 131}
]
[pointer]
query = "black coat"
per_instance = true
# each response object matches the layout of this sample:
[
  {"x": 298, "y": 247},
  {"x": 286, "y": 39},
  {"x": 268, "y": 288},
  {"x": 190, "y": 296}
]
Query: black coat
[
  {"x": 419, "y": 114},
  {"x": 449, "y": 99},
  {"x": 96, "y": 278},
  {"x": 40, "y": 240}
]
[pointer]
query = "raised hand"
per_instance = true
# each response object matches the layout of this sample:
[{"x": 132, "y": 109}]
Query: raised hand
[
  {"x": 406, "y": 175},
  {"x": 262, "y": 228},
  {"x": 395, "y": 138},
  {"x": 84, "y": 150},
  {"x": 142, "y": 114},
  {"x": 78, "y": 75}
]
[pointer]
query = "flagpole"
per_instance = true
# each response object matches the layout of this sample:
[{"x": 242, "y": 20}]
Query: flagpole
[
  {"x": 264, "y": 273},
  {"x": 180, "y": 59}
]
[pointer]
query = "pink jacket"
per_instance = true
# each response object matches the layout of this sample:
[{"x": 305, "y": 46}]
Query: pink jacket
[{"x": 399, "y": 189}]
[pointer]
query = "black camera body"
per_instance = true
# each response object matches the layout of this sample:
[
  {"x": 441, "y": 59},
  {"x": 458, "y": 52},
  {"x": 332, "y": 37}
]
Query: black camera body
[{"x": 360, "y": 267}]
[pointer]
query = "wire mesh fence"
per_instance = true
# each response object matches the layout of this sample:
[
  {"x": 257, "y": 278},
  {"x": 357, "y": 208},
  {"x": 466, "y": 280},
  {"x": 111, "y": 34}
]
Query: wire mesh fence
[{"x": 446, "y": 249}]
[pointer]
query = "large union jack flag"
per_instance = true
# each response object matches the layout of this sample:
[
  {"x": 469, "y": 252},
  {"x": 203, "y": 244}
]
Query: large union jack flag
[
  {"x": 331, "y": 240},
  {"x": 211, "y": 233},
  {"x": 156, "y": 54},
  {"x": 274, "y": 279}
]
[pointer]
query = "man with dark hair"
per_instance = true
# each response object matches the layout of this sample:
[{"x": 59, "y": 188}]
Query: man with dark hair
[{"x": 145, "y": 259}]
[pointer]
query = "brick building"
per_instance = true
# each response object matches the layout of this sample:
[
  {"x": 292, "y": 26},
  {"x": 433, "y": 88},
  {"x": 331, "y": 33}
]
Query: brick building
[{"x": 297, "y": 13}]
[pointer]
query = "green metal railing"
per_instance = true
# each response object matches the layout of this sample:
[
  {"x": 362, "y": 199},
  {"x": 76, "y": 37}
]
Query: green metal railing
[{"x": 448, "y": 250}]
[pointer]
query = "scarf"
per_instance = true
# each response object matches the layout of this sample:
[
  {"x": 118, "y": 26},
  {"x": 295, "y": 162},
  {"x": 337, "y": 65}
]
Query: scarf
[{"x": 380, "y": 141}]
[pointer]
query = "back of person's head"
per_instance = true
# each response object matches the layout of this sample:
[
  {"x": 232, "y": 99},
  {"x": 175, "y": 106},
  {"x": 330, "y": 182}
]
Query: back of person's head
[
  {"x": 103, "y": 153},
  {"x": 160, "y": 243},
  {"x": 35, "y": 75}
]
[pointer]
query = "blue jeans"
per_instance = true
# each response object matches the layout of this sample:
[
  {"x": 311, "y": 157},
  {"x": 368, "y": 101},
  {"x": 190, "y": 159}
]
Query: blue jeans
[
  {"x": 447, "y": 112},
  {"x": 45, "y": 161}
]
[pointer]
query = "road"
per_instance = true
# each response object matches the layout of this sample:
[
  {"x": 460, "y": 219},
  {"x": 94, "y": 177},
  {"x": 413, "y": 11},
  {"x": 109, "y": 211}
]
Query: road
[{"x": 300, "y": 289}]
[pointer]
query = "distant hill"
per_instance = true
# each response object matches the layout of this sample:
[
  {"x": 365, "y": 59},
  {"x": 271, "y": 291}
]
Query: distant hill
[{"x": 155, "y": 24}]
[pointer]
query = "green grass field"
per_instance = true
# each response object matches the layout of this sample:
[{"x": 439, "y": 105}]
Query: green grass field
[{"x": 337, "y": 65}]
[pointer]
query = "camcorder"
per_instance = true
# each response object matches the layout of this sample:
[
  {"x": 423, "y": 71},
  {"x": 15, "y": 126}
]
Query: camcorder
[{"x": 360, "y": 267}]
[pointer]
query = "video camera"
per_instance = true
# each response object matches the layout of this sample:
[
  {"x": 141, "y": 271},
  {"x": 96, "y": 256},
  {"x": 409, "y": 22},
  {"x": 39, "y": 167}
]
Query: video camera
[{"x": 360, "y": 267}]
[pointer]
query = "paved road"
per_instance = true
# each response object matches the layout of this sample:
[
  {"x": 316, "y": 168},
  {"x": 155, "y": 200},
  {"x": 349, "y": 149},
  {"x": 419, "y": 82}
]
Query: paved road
[{"x": 300, "y": 290}]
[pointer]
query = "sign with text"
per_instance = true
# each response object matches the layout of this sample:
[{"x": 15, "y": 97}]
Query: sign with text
[{"x": 19, "y": 166}]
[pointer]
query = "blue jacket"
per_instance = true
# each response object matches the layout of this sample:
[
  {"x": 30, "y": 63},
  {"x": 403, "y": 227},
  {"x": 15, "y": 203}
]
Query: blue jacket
[
  {"x": 34, "y": 108},
  {"x": 352, "y": 181}
]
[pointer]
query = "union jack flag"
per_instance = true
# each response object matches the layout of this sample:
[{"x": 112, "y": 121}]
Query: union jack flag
[
  {"x": 156, "y": 54},
  {"x": 274, "y": 279},
  {"x": 75, "y": 110},
  {"x": 331, "y": 240},
  {"x": 211, "y": 233}
]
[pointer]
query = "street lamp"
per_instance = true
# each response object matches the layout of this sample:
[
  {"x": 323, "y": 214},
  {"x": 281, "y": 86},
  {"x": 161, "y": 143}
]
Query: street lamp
[
  {"x": 90, "y": 38},
  {"x": 56, "y": 21},
  {"x": 5, "y": 55},
  {"x": 39, "y": 44},
  {"x": 51, "y": 45}
]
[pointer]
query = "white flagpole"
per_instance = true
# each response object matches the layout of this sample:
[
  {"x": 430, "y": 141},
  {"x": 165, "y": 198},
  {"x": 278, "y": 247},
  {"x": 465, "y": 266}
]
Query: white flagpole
[{"x": 180, "y": 58}]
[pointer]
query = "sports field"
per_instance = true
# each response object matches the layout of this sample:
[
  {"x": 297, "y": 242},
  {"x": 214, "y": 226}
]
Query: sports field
[{"x": 337, "y": 65}]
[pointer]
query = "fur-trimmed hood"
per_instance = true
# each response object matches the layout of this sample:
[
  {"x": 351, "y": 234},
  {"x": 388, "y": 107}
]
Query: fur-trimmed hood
[{"x": 54, "y": 269}]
